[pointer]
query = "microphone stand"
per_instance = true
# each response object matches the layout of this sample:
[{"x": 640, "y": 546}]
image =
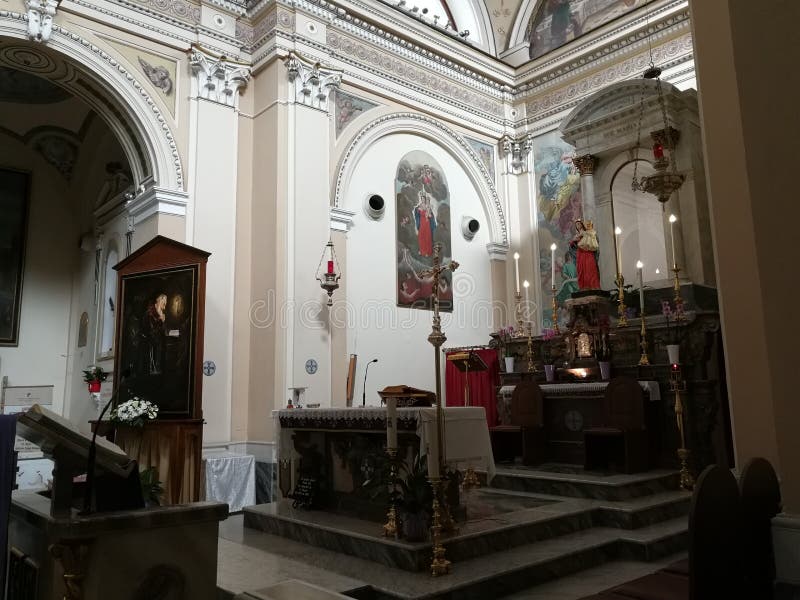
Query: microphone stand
[{"x": 364, "y": 391}]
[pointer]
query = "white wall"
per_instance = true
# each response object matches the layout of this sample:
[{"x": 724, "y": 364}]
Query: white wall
[
  {"x": 51, "y": 253},
  {"x": 398, "y": 336}
]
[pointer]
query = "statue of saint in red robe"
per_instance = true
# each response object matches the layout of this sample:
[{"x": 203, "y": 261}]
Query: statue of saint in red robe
[{"x": 585, "y": 245}]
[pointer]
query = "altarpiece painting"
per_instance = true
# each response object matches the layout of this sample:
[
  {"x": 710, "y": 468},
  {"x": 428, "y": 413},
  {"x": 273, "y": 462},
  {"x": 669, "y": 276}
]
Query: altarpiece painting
[
  {"x": 423, "y": 219},
  {"x": 159, "y": 323},
  {"x": 13, "y": 228}
]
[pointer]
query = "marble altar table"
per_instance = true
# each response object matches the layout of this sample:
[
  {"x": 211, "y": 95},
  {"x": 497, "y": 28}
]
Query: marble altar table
[{"x": 466, "y": 431}]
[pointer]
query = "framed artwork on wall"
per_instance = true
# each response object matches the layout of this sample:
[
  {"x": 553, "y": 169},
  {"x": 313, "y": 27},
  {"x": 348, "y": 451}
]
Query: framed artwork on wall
[
  {"x": 157, "y": 339},
  {"x": 14, "y": 201},
  {"x": 423, "y": 219}
]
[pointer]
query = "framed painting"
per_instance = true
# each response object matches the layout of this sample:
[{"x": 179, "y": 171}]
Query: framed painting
[
  {"x": 423, "y": 219},
  {"x": 158, "y": 327},
  {"x": 14, "y": 200}
]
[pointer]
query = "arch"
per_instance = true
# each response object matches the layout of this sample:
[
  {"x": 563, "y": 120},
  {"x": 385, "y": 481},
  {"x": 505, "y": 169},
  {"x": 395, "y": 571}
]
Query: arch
[
  {"x": 520, "y": 28},
  {"x": 440, "y": 134},
  {"x": 100, "y": 80}
]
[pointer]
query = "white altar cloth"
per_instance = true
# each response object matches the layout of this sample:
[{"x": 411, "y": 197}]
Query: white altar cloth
[
  {"x": 230, "y": 478},
  {"x": 590, "y": 386},
  {"x": 466, "y": 431}
]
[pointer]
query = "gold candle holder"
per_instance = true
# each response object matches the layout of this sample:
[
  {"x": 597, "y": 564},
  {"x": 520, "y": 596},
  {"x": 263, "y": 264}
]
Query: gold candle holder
[
  {"x": 554, "y": 316},
  {"x": 471, "y": 480},
  {"x": 678, "y": 385},
  {"x": 439, "y": 564},
  {"x": 531, "y": 366},
  {"x": 518, "y": 312},
  {"x": 623, "y": 319},
  {"x": 391, "y": 529},
  {"x": 644, "y": 360},
  {"x": 677, "y": 299}
]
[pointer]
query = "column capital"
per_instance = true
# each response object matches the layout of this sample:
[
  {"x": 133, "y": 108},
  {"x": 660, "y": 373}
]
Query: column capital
[
  {"x": 40, "y": 18},
  {"x": 585, "y": 164},
  {"x": 516, "y": 150},
  {"x": 497, "y": 251},
  {"x": 309, "y": 82},
  {"x": 217, "y": 78}
]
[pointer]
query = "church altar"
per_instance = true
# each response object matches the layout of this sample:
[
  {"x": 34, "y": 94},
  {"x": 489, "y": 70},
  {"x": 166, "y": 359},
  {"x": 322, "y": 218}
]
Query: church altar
[{"x": 466, "y": 434}]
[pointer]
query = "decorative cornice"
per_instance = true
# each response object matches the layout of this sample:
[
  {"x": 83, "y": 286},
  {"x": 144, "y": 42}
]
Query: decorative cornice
[
  {"x": 497, "y": 251},
  {"x": 310, "y": 83},
  {"x": 150, "y": 201},
  {"x": 40, "y": 19},
  {"x": 216, "y": 78},
  {"x": 341, "y": 219},
  {"x": 501, "y": 230}
]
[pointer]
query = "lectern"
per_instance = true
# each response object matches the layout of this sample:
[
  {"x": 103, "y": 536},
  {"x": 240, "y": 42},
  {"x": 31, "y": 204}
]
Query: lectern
[{"x": 466, "y": 362}]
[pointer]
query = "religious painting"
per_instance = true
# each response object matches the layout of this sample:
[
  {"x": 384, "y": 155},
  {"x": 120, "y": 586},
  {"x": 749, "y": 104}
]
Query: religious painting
[
  {"x": 560, "y": 21},
  {"x": 348, "y": 108},
  {"x": 558, "y": 207},
  {"x": 157, "y": 330},
  {"x": 423, "y": 219},
  {"x": 485, "y": 152},
  {"x": 14, "y": 187}
]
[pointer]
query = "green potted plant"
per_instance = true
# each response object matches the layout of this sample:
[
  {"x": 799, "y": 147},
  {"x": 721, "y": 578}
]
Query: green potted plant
[
  {"x": 94, "y": 377},
  {"x": 414, "y": 499},
  {"x": 152, "y": 489}
]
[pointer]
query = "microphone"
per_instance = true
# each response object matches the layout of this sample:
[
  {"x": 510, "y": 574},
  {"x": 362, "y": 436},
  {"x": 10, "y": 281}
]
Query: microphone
[{"x": 364, "y": 391}]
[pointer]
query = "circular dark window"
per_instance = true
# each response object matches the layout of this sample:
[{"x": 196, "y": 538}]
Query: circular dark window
[
  {"x": 376, "y": 202},
  {"x": 473, "y": 225}
]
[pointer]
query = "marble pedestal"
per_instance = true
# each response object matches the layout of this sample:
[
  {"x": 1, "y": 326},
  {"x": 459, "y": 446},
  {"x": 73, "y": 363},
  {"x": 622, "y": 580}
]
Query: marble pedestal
[{"x": 158, "y": 552}]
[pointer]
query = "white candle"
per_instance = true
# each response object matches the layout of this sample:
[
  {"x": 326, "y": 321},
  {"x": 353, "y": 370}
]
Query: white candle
[
  {"x": 639, "y": 267},
  {"x": 672, "y": 219},
  {"x": 618, "y": 233},
  {"x": 433, "y": 450},
  {"x": 553, "y": 264},
  {"x": 516, "y": 270},
  {"x": 391, "y": 423}
]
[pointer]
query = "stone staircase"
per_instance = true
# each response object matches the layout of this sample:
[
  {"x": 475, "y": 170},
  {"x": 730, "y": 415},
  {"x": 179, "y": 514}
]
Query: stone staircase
[{"x": 529, "y": 527}]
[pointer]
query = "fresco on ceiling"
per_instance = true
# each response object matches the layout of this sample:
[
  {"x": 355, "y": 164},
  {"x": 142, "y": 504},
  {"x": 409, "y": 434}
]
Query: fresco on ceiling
[
  {"x": 560, "y": 21},
  {"x": 558, "y": 206}
]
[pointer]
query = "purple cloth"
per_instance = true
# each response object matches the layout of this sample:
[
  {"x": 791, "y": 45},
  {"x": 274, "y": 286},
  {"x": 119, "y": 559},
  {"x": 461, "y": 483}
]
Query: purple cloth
[{"x": 8, "y": 477}]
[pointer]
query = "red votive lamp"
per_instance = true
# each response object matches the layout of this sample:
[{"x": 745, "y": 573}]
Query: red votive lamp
[
  {"x": 658, "y": 151},
  {"x": 330, "y": 267}
]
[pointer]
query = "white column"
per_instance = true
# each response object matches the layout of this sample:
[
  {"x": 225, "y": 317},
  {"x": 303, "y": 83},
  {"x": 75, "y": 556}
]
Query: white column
[
  {"x": 586, "y": 165},
  {"x": 308, "y": 228},
  {"x": 211, "y": 219}
]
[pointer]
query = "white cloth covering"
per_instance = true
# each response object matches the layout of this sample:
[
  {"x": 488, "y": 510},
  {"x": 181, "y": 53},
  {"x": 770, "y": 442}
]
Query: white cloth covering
[
  {"x": 230, "y": 478},
  {"x": 589, "y": 387}
]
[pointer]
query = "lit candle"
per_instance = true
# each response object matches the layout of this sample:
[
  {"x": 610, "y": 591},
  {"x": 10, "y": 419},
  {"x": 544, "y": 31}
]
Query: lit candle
[
  {"x": 672, "y": 219},
  {"x": 618, "y": 233},
  {"x": 433, "y": 450},
  {"x": 553, "y": 264},
  {"x": 516, "y": 269},
  {"x": 391, "y": 423},
  {"x": 639, "y": 267}
]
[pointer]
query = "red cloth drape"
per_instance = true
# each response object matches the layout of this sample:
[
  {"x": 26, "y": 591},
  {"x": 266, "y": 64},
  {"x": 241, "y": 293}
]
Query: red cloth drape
[{"x": 482, "y": 385}]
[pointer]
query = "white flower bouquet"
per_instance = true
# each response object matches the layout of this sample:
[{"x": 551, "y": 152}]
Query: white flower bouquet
[{"x": 135, "y": 412}]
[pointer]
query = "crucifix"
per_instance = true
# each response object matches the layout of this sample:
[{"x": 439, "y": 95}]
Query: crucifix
[{"x": 440, "y": 565}]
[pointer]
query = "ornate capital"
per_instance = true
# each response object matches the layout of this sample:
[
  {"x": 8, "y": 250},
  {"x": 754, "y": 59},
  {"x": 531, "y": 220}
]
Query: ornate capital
[
  {"x": 516, "y": 152},
  {"x": 40, "y": 18},
  {"x": 585, "y": 164},
  {"x": 310, "y": 83},
  {"x": 217, "y": 78}
]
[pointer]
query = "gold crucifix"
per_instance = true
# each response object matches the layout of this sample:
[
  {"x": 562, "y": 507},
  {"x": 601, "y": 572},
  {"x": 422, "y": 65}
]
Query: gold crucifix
[{"x": 437, "y": 338}]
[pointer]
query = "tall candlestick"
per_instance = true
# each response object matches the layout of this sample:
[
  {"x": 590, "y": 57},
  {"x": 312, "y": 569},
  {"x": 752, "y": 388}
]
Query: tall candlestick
[
  {"x": 526, "y": 285},
  {"x": 433, "y": 453},
  {"x": 672, "y": 219},
  {"x": 618, "y": 233},
  {"x": 516, "y": 270},
  {"x": 553, "y": 264},
  {"x": 639, "y": 267},
  {"x": 391, "y": 423}
]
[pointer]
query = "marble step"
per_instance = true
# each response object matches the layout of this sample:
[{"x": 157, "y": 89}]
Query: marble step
[
  {"x": 615, "y": 487},
  {"x": 525, "y": 567},
  {"x": 546, "y": 518}
]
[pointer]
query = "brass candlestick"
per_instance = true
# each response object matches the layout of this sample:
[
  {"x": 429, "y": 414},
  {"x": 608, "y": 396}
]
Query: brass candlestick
[
  {"x": 520, "y": 331},
  {"x": 391, "y": 529},
  {"x": 471, "y": 480},
  {"x": 554, "y": 316},
  {"x": 439, "y": 565},
  {"x": 623, "y": 319},
  {"x": 678, "y": 385},
  {"x": 643, "y": 359},
  {"x": 530, "y": 350},
  {"x": 677, "y": 299}
]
